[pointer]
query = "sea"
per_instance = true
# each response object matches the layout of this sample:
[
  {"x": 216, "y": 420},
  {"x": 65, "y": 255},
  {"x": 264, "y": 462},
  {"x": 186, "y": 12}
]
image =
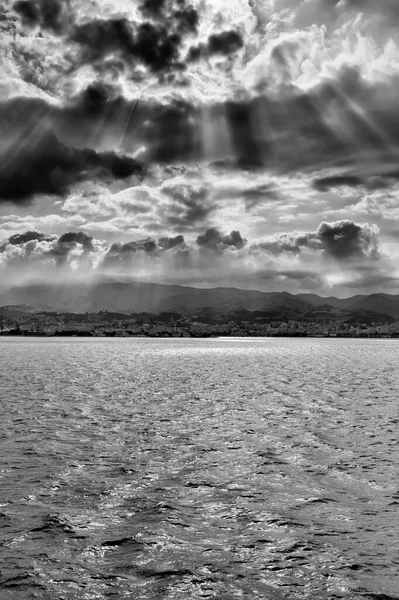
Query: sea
[{"x": 168, "y": 469}]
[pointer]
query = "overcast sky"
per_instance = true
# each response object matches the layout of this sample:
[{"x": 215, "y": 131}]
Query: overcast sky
[{"x": 251, "y": 143}]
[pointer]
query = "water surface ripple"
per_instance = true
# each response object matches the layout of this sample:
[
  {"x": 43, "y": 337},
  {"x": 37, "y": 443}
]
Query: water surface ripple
[{"x": 175, "y": 469}]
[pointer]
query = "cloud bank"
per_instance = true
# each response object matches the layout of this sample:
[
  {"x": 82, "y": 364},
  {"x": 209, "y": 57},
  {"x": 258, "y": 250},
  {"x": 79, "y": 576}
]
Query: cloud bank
[{"x": 334, "y": 250}]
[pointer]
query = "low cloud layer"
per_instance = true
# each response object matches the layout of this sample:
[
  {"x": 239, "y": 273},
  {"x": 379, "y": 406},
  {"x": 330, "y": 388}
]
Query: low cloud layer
[{"x": 342, "y": 247}]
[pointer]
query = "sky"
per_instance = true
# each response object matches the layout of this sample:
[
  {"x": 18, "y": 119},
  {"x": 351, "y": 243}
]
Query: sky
[{"x": 245, "y": 143}]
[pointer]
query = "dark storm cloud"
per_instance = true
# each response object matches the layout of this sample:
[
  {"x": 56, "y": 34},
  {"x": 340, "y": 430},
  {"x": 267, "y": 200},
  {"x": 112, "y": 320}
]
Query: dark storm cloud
[
  {"x": 46, "y": 166},
  {"x": 386, "y": 178},
  {"x": 188, "y": 206},
  {"x": 214, "y": 240},
  {"x": 67, "y": 242},
  {"x": 341, "y": 241},
  {"x": 28, "y": 236},
  {"x": 118, "y": 43},
  {"x": 46, "y": 14},
  {"x": 104, "y": 36},
  {"x": 148, "y": 246},
  {"x": 37, "y": 246},
  {"x": 119, "y": 253},
  {"x": 171, "y": 132},
  {"x": 333, "y": 122},
  {"x": 156, "y": 47},
  {"x": 154, "y": 43},
  {"x": 123, "y": 253},
  {"x": 346, "y": 239},
  {"x": 154, "y": 8},
  {"x": 77, "y": 237},
  {"x": 98, "y": 100},
  {"x": 8, "y": 22},
  {"x": 336, "y": 122},
  {"x": 248, "y": 146},
  {"x": 167, "y": 243},
  {"x": 148, "y": 43},
  {"x": 187, "y": 19},
  {"x": 225, "y": 43},
  {"x": 253, "y": 196},
  {"x": 28, "y": 239},
  {"x": 290, "y": 131},
  {"x": 326, "y": 183},
  {"x": 183, "y": 17}
]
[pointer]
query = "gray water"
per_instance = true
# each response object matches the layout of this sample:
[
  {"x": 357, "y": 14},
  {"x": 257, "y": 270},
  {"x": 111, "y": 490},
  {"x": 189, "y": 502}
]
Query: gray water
[{"x": 175, "y": 469}]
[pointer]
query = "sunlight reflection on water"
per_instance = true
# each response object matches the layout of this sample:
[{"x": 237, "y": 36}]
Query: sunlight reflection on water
[{"x": 215, "y": 468}]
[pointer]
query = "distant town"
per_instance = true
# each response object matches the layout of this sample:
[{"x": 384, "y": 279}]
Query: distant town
[{"x": 322, "y": 322}]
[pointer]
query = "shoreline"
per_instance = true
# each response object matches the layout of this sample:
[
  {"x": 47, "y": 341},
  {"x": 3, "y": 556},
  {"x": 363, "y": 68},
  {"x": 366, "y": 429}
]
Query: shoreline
[{"x": 201, "y": 337}]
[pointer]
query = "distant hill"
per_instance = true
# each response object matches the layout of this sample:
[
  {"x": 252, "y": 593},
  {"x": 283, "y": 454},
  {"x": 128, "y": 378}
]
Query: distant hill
[
  {"x": 380, "y": 303},
  {"x": 15, "y": 311},
  {"x": 134, "y": 297},
  {"x": 130, "y": 296}
]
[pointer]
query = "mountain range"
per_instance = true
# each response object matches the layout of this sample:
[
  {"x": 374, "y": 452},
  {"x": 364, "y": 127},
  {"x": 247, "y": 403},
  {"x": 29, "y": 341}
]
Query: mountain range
[{"x": 133, "y": 297}]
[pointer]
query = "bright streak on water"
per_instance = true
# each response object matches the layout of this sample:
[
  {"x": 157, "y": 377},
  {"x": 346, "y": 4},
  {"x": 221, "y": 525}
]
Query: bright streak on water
[{"x": 174, "y": 469}]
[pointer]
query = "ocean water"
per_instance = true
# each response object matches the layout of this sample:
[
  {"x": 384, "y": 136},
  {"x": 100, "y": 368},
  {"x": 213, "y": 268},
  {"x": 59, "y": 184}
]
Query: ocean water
[{"x": 184, "y": 469}]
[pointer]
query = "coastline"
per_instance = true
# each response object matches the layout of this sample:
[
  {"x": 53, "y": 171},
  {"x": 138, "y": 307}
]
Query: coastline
[{"x": 66, "y": 334}]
